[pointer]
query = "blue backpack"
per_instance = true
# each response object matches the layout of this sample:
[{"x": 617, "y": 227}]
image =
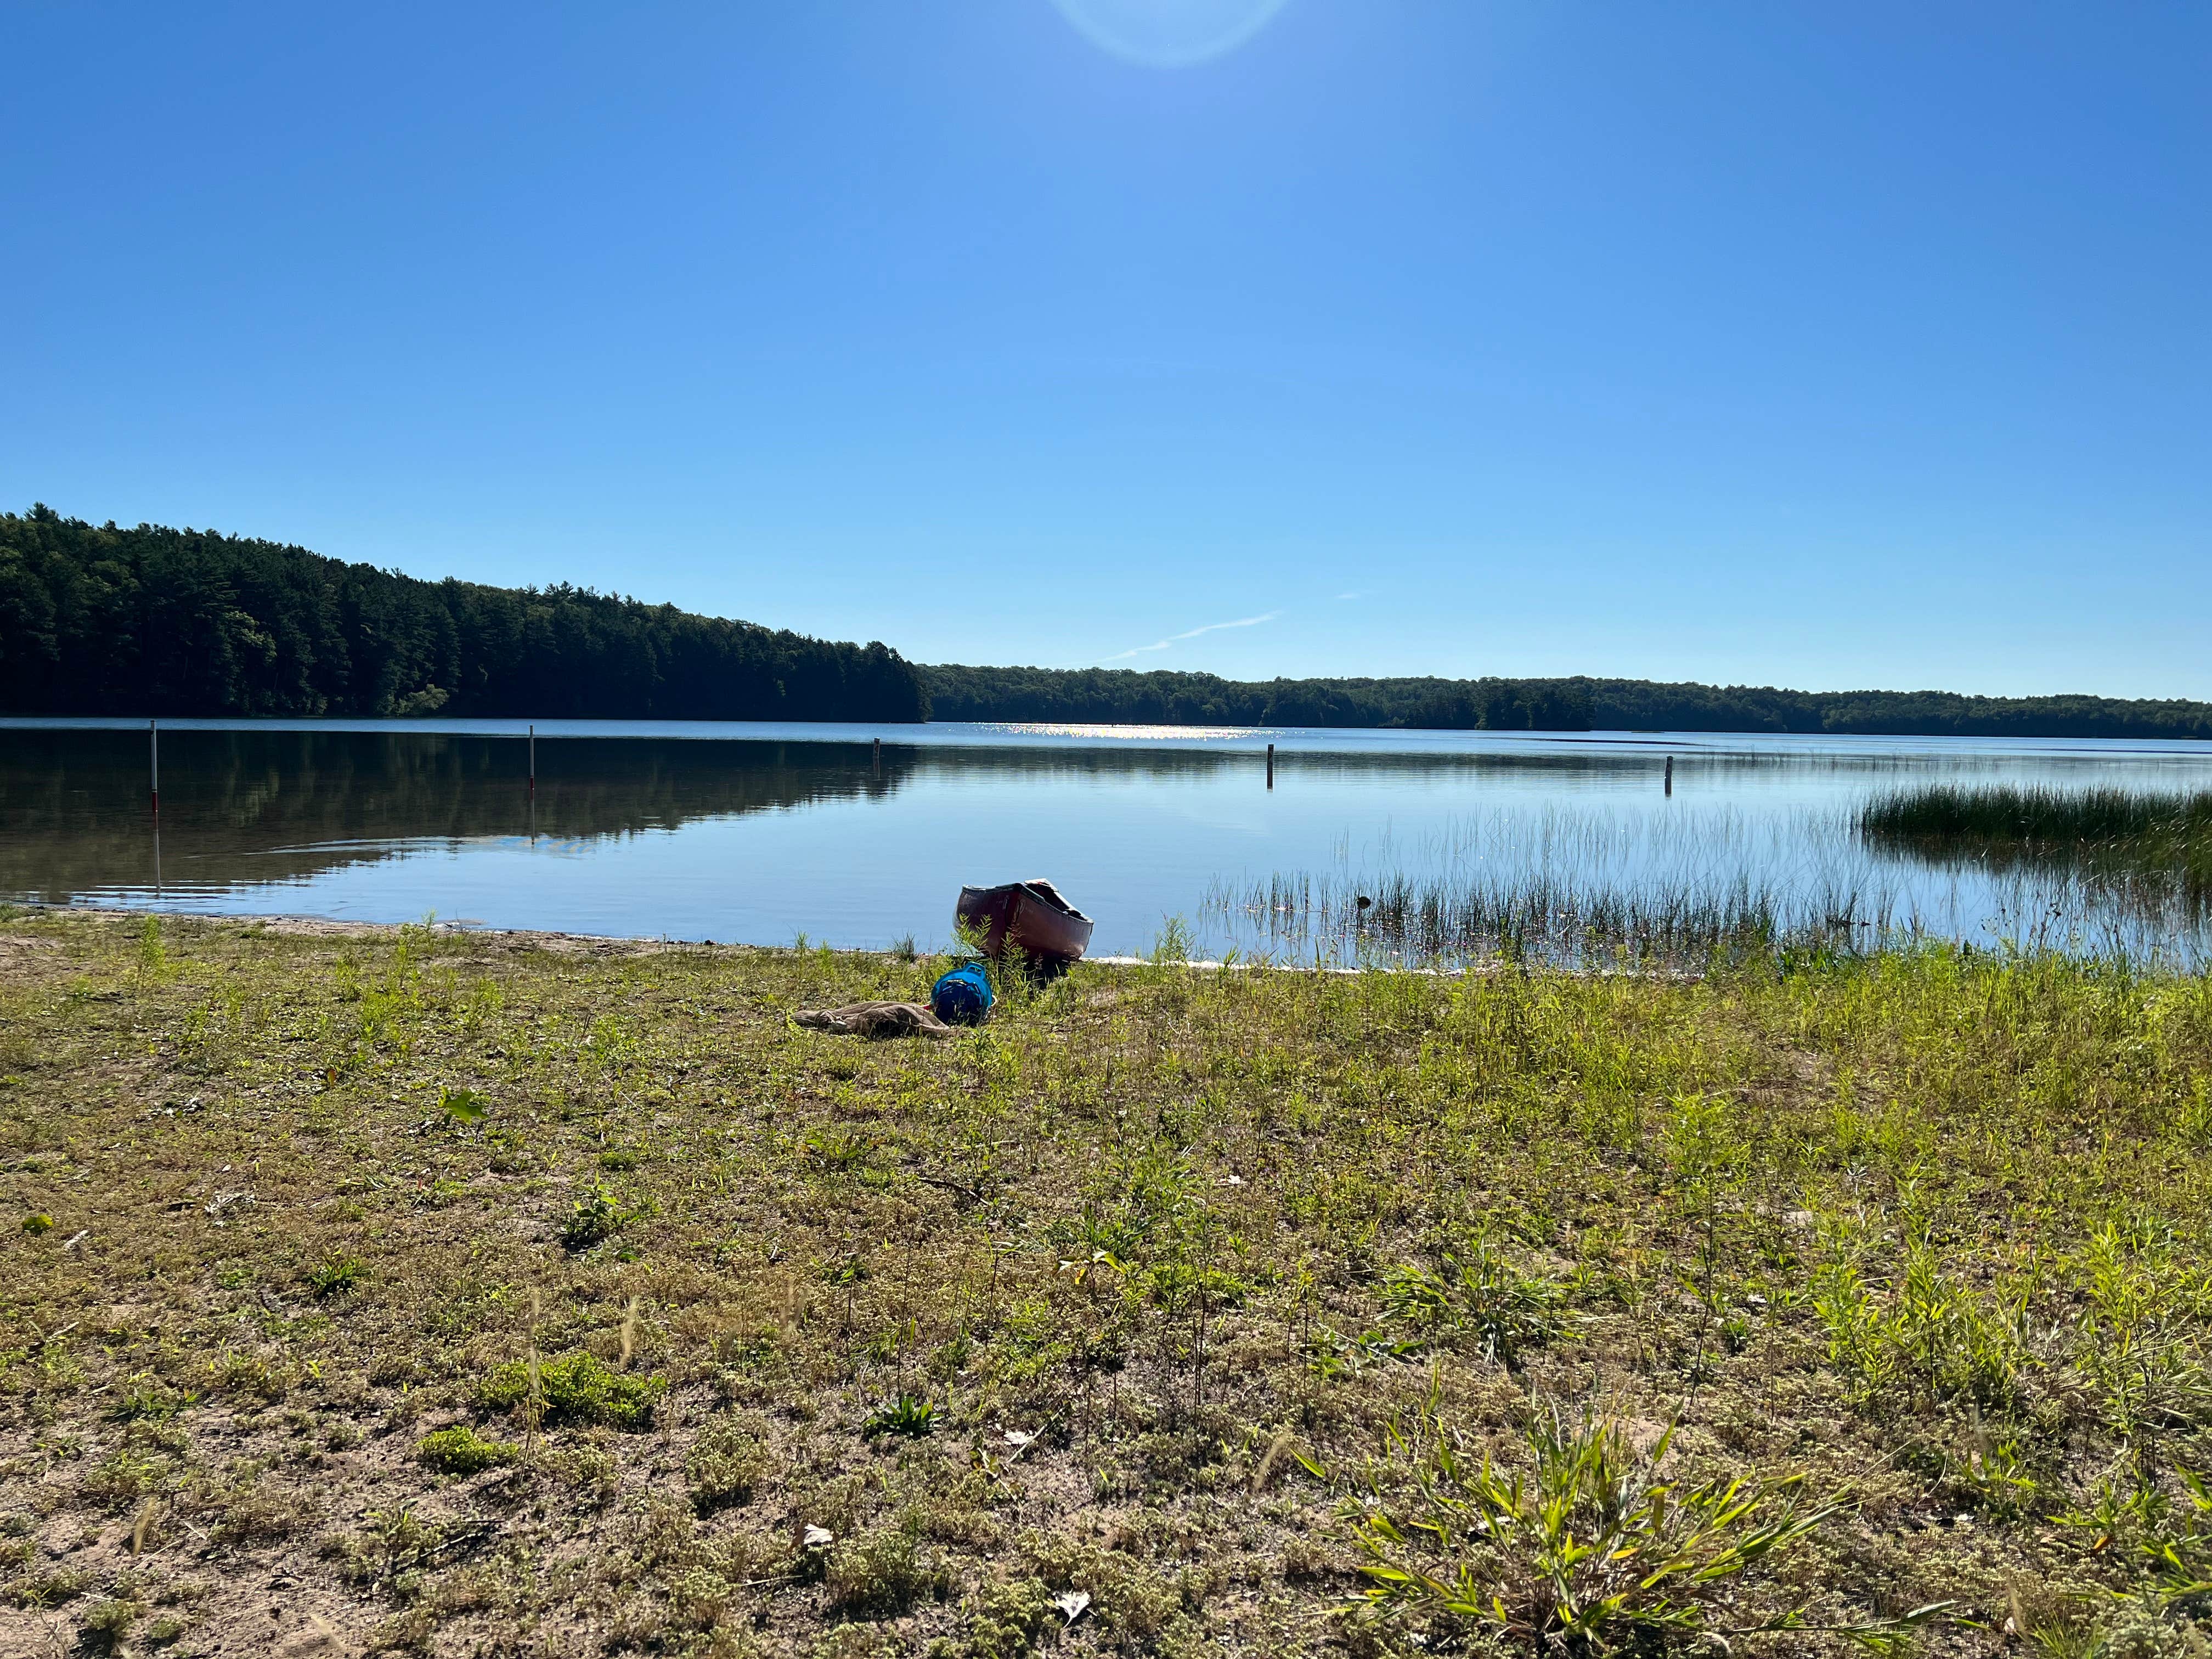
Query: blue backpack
[{"x": 963, "y": 997}]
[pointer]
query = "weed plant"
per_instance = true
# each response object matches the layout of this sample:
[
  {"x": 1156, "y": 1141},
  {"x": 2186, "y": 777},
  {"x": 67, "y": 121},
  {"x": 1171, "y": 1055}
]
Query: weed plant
[{"x": 1588, "y": 1550}]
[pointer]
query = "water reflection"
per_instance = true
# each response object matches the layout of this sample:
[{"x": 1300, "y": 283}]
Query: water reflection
[
  {"x": 252, "y": 808},
  {"x": 1467, "y": 839},
  {"x": 256, "y": 806}
]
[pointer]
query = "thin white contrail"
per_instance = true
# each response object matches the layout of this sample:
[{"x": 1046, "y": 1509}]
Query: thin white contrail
[{"x": 1192, "y": 634}]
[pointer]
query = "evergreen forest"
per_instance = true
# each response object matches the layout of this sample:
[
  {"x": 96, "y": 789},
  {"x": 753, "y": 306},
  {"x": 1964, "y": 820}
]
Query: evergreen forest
[{"x": 100, "y": 620}]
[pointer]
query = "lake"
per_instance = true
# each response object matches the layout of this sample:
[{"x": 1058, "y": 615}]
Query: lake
[{"x": 762, "y": 833}]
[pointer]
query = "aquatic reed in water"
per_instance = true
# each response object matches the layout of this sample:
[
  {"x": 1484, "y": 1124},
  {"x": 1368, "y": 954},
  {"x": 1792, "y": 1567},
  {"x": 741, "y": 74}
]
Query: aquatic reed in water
[
  {"x": 2104, "y": 873},
  {"x": 1575, "y": 888},
  {"x": 1543, "y": 916},
  {"x": 2006, "y": 814},
  {"x": 2153, "y": 848}
]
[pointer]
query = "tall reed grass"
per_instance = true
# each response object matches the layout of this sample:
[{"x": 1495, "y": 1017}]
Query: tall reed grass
[
  {"x": 1574, "y": 888},
  {"x": 2006, "y": 814},
  {"x": 2104, "y": 873},
  {"x": 2153, "y": 848},
  {"x": 1542, "y": 915}
]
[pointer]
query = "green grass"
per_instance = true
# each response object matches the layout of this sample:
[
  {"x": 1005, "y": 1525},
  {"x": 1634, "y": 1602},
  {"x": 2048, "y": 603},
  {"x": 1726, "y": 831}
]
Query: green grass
[
  {"x": 577, "y": 1388},
  {"x": 1269, "y": 1312},
  {"x": 336, "y": 1275},
  {"x": 461, "y": 1450}
]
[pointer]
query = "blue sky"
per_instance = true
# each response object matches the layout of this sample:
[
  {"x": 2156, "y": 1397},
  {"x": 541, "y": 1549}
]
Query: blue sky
[{"x": 1828, "y": 347}]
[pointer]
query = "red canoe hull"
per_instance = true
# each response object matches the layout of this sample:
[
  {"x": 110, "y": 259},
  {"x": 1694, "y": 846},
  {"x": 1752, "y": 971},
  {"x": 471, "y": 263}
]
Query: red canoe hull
[{"x": 1029, "y": 915}]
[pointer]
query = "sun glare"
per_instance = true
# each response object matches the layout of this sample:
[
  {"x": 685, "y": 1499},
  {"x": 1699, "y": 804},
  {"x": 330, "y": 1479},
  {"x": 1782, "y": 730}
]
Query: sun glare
[{"x": 1169, "y": 34}]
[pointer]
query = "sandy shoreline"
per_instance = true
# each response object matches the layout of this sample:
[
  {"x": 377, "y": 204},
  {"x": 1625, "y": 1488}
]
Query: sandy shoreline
[{"x": 604, "y": 944}]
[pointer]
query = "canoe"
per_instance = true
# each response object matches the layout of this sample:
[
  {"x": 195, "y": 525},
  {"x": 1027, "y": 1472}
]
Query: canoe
[{"x": 1030, "y": 915}]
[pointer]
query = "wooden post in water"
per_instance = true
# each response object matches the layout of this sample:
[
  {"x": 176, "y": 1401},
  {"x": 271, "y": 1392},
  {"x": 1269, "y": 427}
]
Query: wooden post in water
[
  {"x": 154, "y": 741},
  {"x": 1271, "y": 766},
  {"x": 533, "y": 763},
  {"x": 879, "y": 754},
  {"x": 1670, "y": 774}
]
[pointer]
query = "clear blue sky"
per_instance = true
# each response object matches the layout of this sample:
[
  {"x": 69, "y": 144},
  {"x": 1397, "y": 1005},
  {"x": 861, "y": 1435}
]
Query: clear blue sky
[{"x": 1824, "y": 346}]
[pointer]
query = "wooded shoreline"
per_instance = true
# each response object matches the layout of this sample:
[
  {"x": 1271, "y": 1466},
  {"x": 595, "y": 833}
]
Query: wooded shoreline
[{"x": 149, "y": 622}]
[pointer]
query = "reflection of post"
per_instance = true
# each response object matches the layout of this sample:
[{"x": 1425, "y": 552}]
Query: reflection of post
[
  {"x": 1271, "y": 766},
  {"x": 153, "y": 747},
  {"x": 1670, "y": 774}
]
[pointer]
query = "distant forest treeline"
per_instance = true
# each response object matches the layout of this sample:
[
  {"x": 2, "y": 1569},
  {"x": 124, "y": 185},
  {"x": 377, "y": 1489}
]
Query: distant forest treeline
[
  {"x": 98, "y": 620},
  {"x": 1166, "y": 698}
]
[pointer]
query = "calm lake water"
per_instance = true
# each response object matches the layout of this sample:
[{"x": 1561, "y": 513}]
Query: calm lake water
[{"x": 762, "y": 833}]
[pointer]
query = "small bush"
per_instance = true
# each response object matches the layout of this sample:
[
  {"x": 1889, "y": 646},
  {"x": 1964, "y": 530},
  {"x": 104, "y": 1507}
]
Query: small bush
[
  {"x": 1004, "y": 1621},
  {"x": 50, "y": 1590},
  {"x": 725, "y": 1465},
  {"x": 859, "y": 1642},
  {"x": 107, "y": 1622},
  {"x": 147, "y": 1399},
  {"x": 882, "y": 1575},
  {"x": 909, "y": 1414},
  {"x": 393, "y": 1548},
  {"x": 37, "y": 1224},
  {"x": 1481, "y": 1292},
  {"x": 1588, "y": 1552},
  {"x": 592, "y": 1220},
  {"x": 122, "y": 1479},
  {"x": 251, "y": 1513},
  {"x": 336, "y": 1275},
  {"x": 1507, "y": 1310},
  {"x": 590, "y": 1474},
  {"x": 462, "y": 1450},
  {"x": 840, "y": 1148},
  {"x": 577, "y": 1388}
]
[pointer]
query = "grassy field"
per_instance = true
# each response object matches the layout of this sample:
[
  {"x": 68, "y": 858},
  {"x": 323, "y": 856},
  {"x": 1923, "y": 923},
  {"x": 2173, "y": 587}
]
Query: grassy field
[{"x": 366, "y": 1292}]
